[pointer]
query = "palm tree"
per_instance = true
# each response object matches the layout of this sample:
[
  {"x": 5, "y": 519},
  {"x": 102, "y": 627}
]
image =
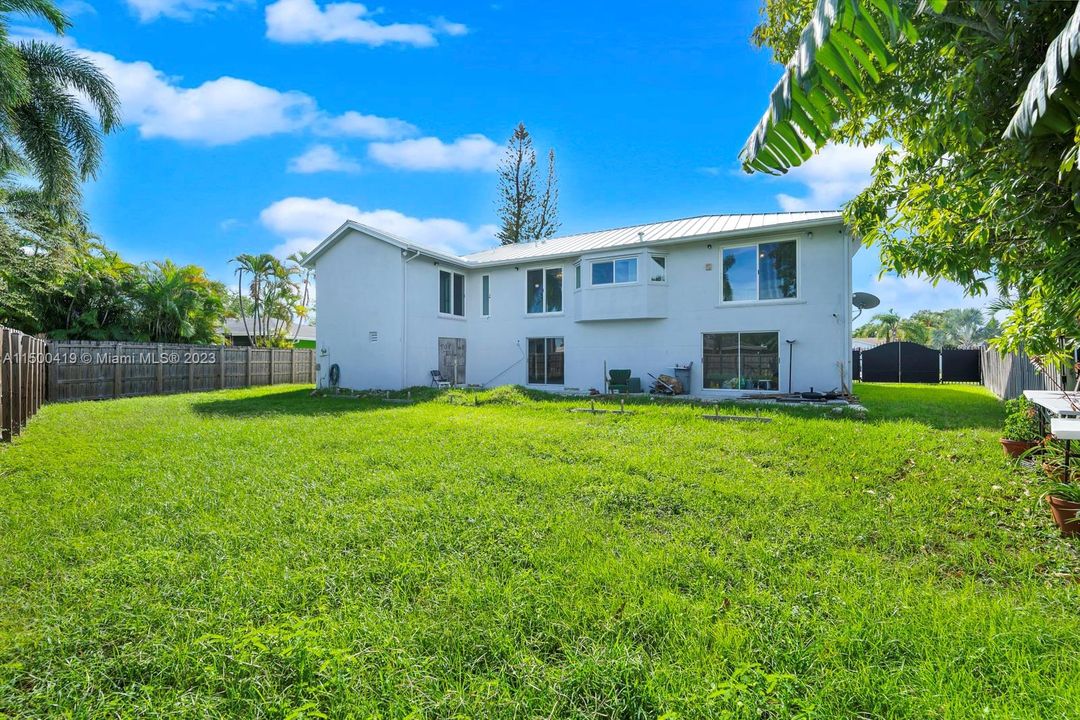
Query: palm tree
[
  {"x": 297, "y": 258},
  {"x": 45, "y": 127}
]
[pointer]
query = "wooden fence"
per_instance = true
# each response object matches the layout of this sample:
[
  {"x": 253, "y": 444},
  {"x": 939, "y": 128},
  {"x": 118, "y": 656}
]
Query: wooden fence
[
  {"x": 1007, "y": 376},
  {"x": 84, "y": 370},
  {"x": 22, "y": 380}
]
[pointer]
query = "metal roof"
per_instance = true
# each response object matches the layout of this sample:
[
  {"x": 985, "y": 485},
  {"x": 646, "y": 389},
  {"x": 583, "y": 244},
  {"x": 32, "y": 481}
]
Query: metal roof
[
  {"x": 235, "y": 326},
  {"x": 670, "y": 230}
]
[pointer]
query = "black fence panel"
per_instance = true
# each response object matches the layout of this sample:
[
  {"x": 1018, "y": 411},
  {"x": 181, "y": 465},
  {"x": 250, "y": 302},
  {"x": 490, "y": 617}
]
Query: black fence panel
[
  {"x": 881, "y": 364},
  {"x": 919, "y": 364},
  {"x": 856, "y": 364},
  {"x": 961, "y": 365},
  {"x": 901, "y": 362}
]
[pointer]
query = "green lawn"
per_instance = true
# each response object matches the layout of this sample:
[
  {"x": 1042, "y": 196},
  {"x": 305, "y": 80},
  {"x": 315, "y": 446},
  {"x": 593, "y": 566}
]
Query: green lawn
[{"x": 270, "y": 554}]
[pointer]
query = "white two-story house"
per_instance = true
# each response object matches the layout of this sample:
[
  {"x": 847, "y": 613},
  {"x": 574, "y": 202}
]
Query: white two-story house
[{"x": 757, "y": 302}]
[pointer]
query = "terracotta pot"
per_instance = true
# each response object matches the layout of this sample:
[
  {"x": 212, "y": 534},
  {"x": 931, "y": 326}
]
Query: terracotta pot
[
  {"x": 1016, "y": 448},
  {"x": 1065, "y": 514}
]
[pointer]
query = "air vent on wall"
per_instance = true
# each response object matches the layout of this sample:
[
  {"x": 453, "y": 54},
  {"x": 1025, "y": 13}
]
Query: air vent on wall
[{"x": 373, "y": 336}]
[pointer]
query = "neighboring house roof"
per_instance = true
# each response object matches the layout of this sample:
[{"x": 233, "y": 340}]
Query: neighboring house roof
[
  {"x": 695, "y": 228},
  {"x": 867, "y": 342},
  {"x": 235, "y": 326}
]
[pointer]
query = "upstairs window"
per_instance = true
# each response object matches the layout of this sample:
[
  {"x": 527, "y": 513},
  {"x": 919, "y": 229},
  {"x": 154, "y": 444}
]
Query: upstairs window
[
  {"x": 543, "y": 291},
  {"x": 764, "y": 271},
  {"x": 657, "y": 268},
  {"x": 485, "y": 299},
  {"x": 451, "y": 293},
  {"x": 614, "y": 272},
  {"x": 577, "y": 276}
]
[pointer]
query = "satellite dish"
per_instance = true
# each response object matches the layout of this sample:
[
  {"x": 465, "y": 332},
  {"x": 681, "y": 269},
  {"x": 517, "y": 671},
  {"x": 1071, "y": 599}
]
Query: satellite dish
[{"x": 864, "y": 301}]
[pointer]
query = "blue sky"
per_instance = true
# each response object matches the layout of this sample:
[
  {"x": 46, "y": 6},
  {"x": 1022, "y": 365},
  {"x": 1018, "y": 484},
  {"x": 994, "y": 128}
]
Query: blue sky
[{"x": 255, "y": 127}]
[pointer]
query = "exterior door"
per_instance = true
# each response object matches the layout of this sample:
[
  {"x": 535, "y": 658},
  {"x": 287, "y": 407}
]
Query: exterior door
[{"x": 452, "y": 359}]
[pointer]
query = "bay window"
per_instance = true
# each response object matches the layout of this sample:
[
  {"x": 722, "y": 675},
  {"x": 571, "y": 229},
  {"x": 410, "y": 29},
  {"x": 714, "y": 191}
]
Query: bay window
[{"x": 614, "y": 272}]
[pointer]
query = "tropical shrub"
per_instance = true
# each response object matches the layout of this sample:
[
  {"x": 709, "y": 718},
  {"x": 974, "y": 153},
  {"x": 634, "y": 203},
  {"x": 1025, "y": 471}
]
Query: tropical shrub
[{"x": 1021, "y": 422}]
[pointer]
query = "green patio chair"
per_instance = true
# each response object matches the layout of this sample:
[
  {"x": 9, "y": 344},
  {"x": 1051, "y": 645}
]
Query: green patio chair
[{"x": 619, "y": 381}]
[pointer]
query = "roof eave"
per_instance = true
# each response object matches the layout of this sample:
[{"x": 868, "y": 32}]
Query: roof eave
[{"x": 311, "y": 258}]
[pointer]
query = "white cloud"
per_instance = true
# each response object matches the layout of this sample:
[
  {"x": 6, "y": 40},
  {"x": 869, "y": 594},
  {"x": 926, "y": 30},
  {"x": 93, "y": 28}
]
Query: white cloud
[
  {"x": 304, "y": 21},
  {"x": 150, "y": 10},
  {"x": 832, "y": 177},
  {"x": 74, "y": 8},
  {"x": 226, "y": 110},
  {"x": 370, "y": 127},
  {"x": 218, "y": 112},
  {"x": 471, "y": 152},
  {"x": 303, "y": 223},
  {"x": 322, "y": 158}
]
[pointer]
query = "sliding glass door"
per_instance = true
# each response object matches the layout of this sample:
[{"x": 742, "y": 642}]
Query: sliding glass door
[
  {"x": 545, "y": 361},
  {"x": 741, "y": 361}
]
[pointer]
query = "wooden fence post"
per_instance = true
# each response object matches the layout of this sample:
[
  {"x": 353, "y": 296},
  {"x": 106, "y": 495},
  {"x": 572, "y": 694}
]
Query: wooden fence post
[
  {"x": 292, "y": 365},
  {"x": 159, "y": 370},
  {"x": 15, "y": 344},
  {"x": 191, "y": 376},
  {"x": 221, "y": 367},
  {"x": 6, "y": 385},
  {"x": 52, "y": 373},
  {"x": 118, "y": 378},
  {"x": 247, "y": 366}
]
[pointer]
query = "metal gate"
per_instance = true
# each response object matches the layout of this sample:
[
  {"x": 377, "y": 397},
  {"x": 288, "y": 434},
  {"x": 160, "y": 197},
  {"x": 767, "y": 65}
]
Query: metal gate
[
  {"x": 961, "y": 365},
  {"x": 909, "y": 362}
]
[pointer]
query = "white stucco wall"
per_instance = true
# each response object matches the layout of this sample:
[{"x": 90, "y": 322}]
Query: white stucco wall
[{"x": 361, "y": 285}]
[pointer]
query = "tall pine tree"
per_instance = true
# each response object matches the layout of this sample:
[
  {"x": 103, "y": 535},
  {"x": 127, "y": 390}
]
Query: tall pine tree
[{"x": 524, "y": 215}]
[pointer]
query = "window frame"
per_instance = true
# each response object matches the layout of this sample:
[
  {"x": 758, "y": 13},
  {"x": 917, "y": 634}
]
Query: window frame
[
  {"x": 757, "y": 271},
  {"x": 453, "y": 295},
  {"x": 739, "y": 360},
  {"x": 544, "y": 291},
  {"x": 611, "y": 261},
  {"x": 577, "y": 276}
]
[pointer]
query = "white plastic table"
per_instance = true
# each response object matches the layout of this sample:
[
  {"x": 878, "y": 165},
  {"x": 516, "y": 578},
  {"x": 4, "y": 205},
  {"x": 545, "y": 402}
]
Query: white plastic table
[{"x": 1063, "y": 410}]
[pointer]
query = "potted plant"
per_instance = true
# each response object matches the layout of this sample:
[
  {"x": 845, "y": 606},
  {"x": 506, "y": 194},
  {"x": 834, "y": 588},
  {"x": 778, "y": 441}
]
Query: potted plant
[
  {"x": 1021, "y": 427},
  {"x": 1064, "y": 501}
]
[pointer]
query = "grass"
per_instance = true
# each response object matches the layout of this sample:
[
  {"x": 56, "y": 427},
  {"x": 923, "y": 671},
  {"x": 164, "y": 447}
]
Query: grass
[{"x": 265, "y": 553}]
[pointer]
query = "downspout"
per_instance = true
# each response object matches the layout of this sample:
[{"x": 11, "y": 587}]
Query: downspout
[{"x": 405, "y": 312}]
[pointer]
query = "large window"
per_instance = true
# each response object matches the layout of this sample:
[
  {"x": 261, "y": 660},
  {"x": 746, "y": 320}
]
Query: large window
[
  {"x": 765, "y": 271},
  {"x": 543, "y": 290},
  {"x": 614, "y": 272},
  {"x": 546, "y": 361},
  {"x": 485, "y": 300},
  {"x": 451, "y": 293},
  {"x": 741, "y": 361}
]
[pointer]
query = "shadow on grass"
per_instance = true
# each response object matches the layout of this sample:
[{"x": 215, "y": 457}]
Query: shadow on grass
[
  {"x": 294, "y": 402},
  {"x": 945, "y": 407}
]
